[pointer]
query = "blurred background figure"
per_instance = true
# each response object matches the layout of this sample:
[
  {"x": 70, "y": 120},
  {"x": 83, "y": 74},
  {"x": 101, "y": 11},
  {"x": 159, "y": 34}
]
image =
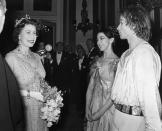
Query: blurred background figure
[
  {"x": 93, "y": 53},
  {"x": 80, "y": 79},
  {"x": 61, "y": 77},
  {"x": 68, "y": 49},
  {"x": 41, "y": 48},
  {"x": 45, "y": 50},
  {"x": 60, "y": 67}
]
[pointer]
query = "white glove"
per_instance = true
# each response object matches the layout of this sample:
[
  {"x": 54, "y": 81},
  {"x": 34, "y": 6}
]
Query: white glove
[{"x": 37, "y": 95}]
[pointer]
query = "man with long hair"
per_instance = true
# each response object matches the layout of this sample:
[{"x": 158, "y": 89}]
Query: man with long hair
[{"x": 135, "y": 90}]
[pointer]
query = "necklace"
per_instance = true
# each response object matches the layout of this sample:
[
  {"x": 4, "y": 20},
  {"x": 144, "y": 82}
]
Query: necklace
[
  {"x": 27, "y": 58},
  {"x": 24, "y": 54}
]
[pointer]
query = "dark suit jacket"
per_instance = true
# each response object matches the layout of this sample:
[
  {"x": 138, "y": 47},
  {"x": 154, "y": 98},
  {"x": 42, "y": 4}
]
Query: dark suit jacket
[
  {"x": 48, "y": 68},
  {"x": 11, "y": 107},
  {"x": 61, "y": 72},
  {"x": 79, "y": 79},
  {"x": 82, "y": 74}
]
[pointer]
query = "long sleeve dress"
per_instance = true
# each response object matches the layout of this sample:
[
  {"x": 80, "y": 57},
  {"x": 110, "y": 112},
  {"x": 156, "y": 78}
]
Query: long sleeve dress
[
  {"x": 101, "y": 82},
  {"x": 136, "y": 84},
  {"x": 28, "y": 75}
]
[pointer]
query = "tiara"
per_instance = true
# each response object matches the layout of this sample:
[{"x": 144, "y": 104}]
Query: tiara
[
  {"x": 18, "y": 21},
  {"x": 40, "y": 25}
]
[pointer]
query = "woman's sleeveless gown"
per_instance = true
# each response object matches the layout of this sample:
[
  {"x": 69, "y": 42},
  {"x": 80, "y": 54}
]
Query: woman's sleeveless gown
[
  {"x": 102, "y": 80},
  {"x": 28, "y": 75}
]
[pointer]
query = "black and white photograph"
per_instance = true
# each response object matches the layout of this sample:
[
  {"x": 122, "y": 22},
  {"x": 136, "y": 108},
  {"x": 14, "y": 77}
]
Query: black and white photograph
[{"x": 80, "y": 65}]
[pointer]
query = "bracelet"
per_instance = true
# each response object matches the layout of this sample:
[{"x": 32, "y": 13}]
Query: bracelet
[{"x": 28, "y": 94}]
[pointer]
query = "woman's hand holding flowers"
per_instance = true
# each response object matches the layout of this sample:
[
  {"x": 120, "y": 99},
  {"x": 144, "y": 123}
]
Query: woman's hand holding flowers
[
  {"x": 50, "y": 112},
  {"x": 37, "y": 95},
  {"x": 33, "y": 94}
]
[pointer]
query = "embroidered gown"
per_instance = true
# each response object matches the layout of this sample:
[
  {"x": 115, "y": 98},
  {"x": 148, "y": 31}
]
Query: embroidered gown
[
  {"x": 101, "y": 82},
  {"x": 28, "y": 75}
]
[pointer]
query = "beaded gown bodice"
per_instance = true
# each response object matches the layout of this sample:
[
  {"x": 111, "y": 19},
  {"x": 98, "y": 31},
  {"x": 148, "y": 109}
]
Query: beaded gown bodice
[{"x": 28, "y": 72}]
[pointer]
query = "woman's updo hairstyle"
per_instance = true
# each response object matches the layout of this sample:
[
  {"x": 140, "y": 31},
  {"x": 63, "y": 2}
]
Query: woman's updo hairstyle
[
  {"x": 118, "y": 45},
  {"x": 110, "y": 32},
  {"x": 20, "y": 24}
]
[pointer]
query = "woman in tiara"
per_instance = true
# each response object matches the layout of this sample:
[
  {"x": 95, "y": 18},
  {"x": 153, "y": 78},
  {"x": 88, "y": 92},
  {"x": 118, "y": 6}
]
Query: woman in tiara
[
  {"x": 98, "y": 113},
  {"x": 28, "y": 69}
]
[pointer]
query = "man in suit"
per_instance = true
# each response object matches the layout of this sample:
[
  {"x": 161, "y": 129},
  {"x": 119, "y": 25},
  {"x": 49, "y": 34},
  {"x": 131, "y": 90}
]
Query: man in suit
[
  {"x": 93, "y": 51},
  {"x": 93, "y": 54},
  {"x": 11, "y": 110},
  {"x": 80, "y": 78},
  {"x": 61, "y": 69},
  {"x": 46, "y": 59},
  {"x": 61, "y": 75}
]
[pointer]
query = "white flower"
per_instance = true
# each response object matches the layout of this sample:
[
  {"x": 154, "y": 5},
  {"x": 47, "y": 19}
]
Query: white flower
[
  {"x": 44, "y": 109},
  {"x": 49, "y": 124},
  {"x": 52, "y": 103},
  {"x": 51, "y": 109}
]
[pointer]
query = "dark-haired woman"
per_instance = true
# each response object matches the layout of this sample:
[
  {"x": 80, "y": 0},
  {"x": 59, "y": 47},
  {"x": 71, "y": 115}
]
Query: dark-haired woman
[
  {"x": 28, "y": 69},
  {"x": 98, "y": 112}
]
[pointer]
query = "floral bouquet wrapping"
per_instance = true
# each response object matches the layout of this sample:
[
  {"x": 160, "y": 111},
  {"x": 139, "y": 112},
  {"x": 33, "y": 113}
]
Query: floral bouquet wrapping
[{"x": 52, "y": 103}]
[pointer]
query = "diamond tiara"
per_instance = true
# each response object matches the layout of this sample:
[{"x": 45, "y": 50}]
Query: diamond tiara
[{"x": 18, "y": 21}]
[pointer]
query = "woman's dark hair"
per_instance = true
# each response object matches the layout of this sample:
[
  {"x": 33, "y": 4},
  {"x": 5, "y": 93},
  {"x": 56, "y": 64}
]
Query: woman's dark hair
[
  {"x": 20, "y": 24},
  {"x": 138, "y": 19},
  {"x": 110, "y": 32},
  {"x": 118, "y": 45}
]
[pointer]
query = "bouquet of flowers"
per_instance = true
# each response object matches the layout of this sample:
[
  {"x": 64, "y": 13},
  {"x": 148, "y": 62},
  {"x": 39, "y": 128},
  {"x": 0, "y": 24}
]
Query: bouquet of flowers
[{"x": 53, "y": 103}]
